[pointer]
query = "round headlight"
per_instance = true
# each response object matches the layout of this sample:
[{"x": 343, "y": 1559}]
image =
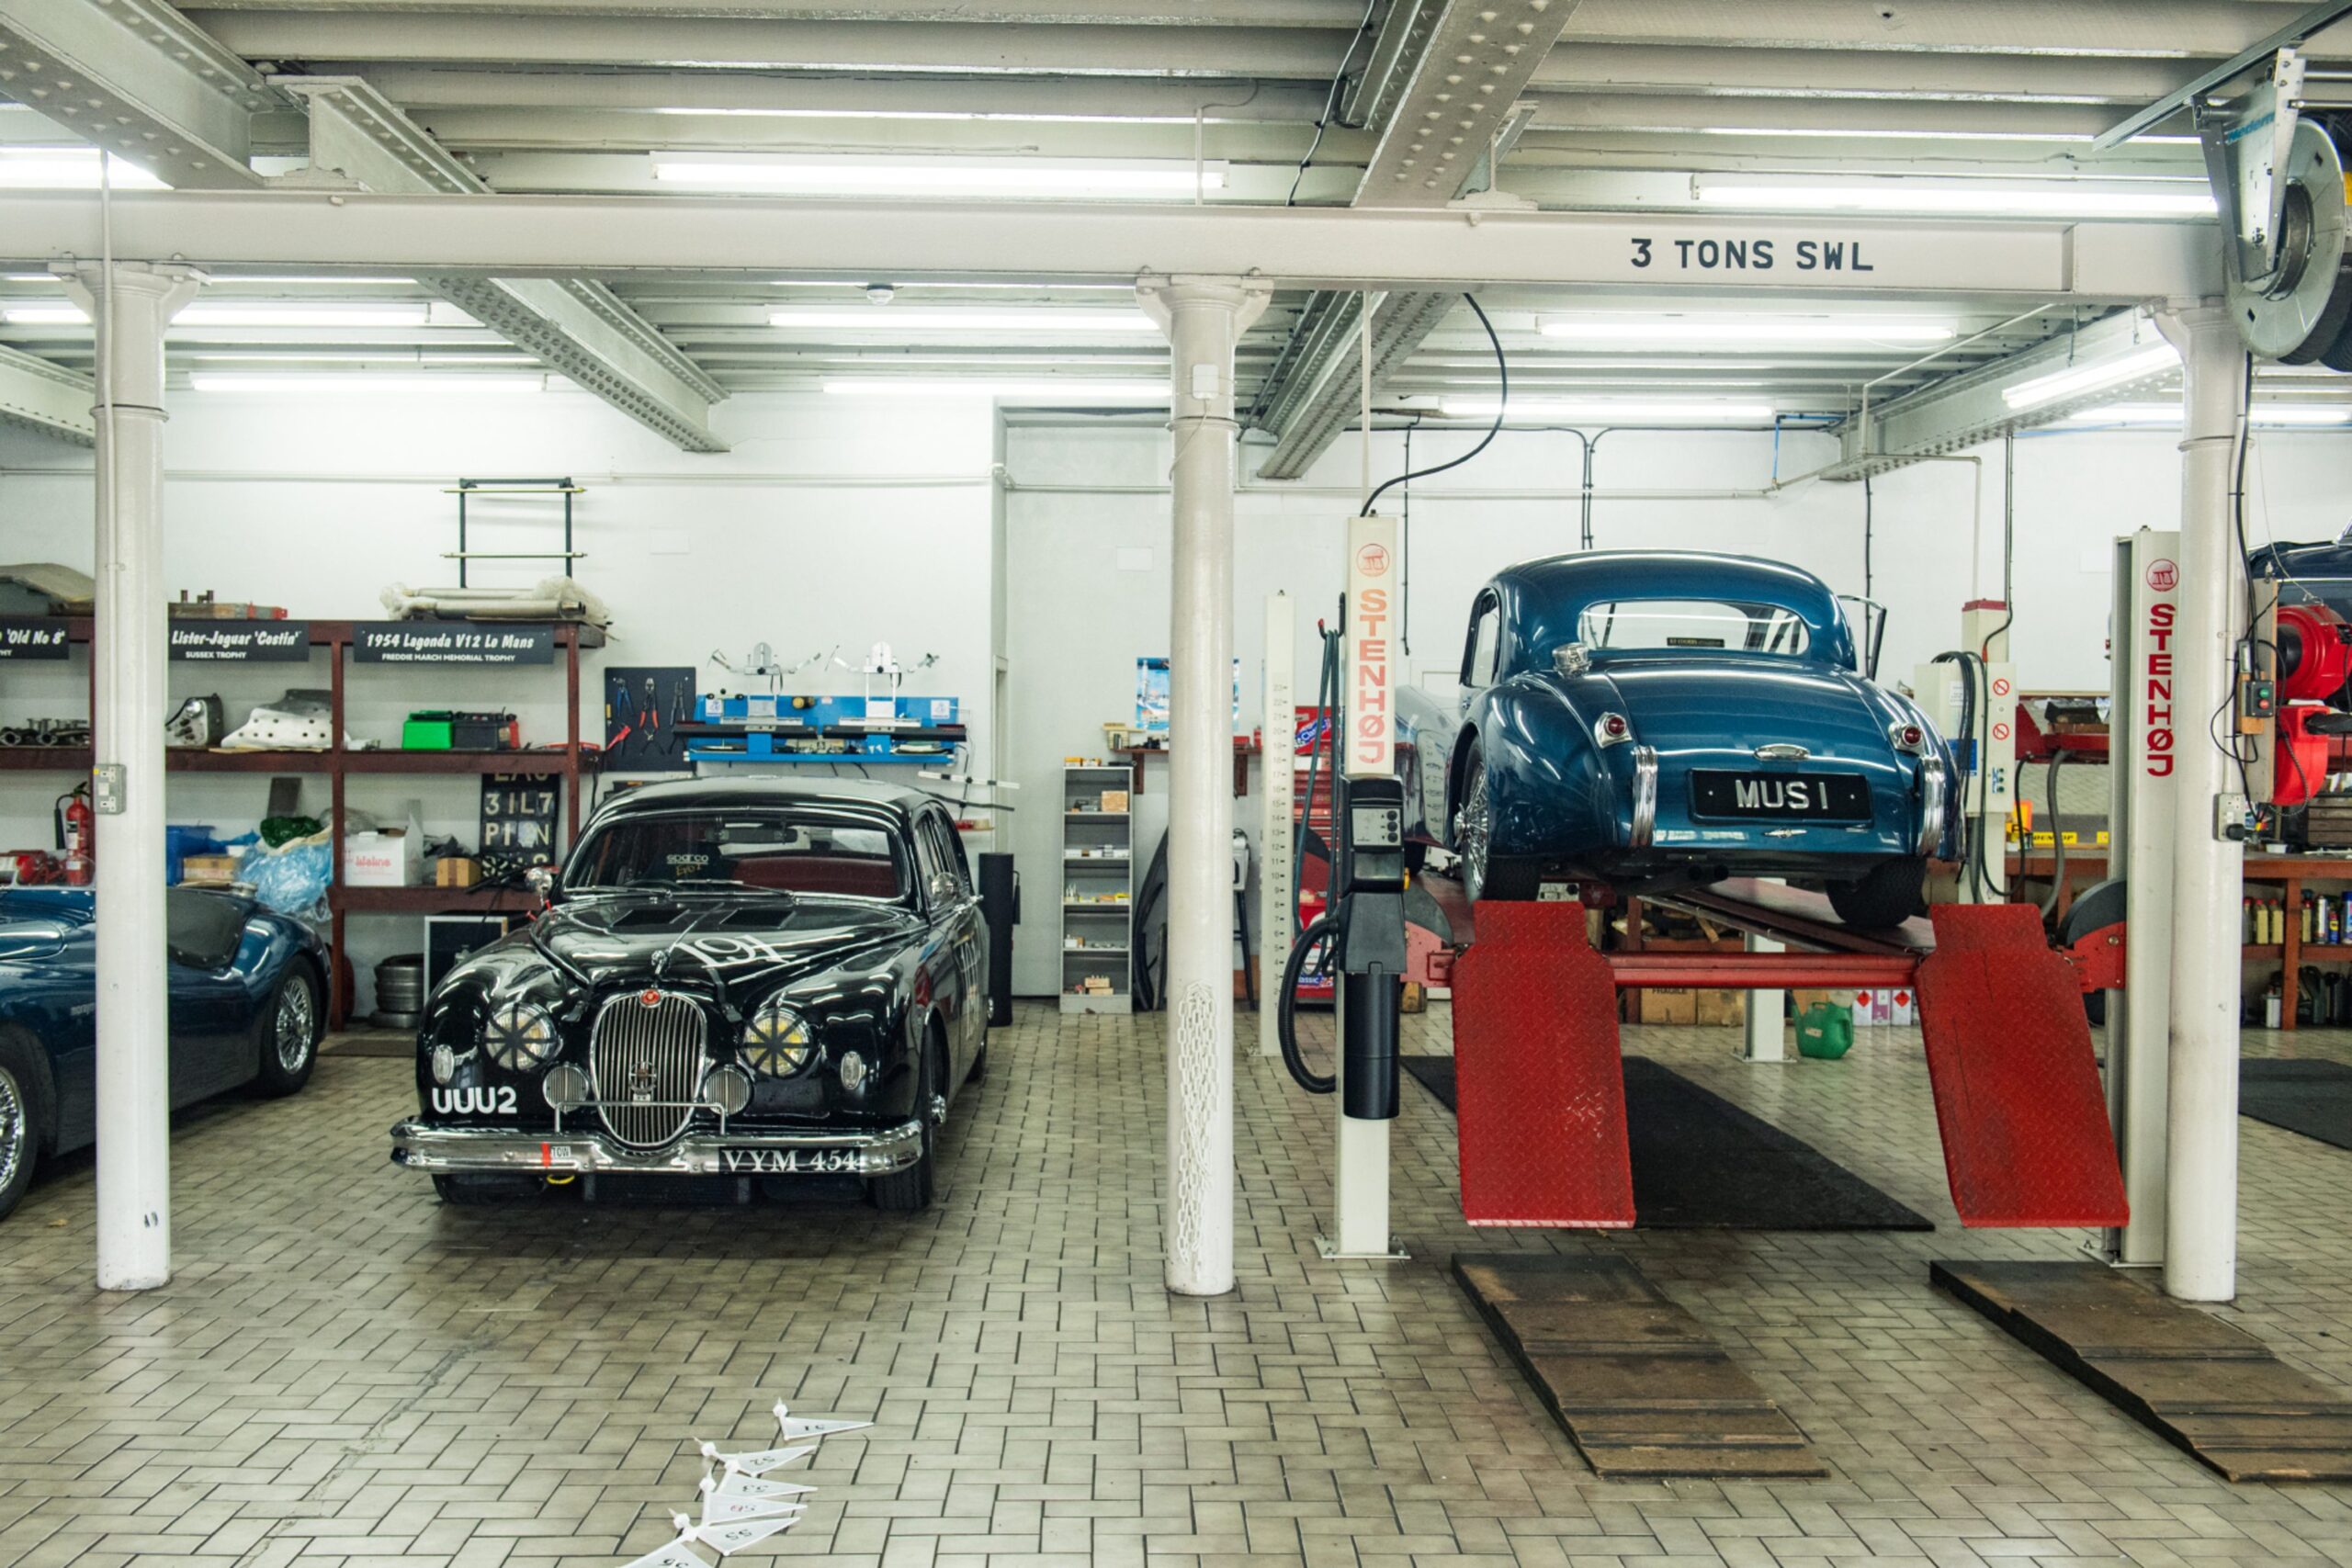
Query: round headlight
[
  {"x": 520, "y": 1037},
  {"x": 776, "y": 1042}
]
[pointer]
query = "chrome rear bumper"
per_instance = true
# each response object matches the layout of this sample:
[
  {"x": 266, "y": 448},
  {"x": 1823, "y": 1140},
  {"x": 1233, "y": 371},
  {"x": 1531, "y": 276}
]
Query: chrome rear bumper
[{"x": 494, "y": 1151}]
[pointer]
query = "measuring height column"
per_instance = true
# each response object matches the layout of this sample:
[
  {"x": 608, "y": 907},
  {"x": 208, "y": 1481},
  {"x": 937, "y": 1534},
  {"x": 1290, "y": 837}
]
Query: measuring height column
[
  {"x": 1203, "y": 318},
  {"x": 2208, "y": 871},
  {"x": 130, "y": 308}
]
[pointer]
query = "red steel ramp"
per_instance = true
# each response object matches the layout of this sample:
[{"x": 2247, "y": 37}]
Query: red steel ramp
[
  {"x": 1540, "y": 1087},
  {"x": 2017, "y": 1095}
]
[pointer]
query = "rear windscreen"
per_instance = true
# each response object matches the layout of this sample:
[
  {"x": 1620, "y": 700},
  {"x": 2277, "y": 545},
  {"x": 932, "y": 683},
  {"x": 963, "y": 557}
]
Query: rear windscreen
[{"x": 1692, "y": 624}]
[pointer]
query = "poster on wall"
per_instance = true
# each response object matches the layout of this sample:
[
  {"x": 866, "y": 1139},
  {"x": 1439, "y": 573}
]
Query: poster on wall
[
  {"x": 1151, "y": 697},
  {"x": 519, "y": 815},
  {"x": 646, "y": 709}
]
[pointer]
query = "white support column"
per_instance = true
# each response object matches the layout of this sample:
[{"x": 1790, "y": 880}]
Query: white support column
[
  {"x": 1203, "y": 318},
  {"x": 2208, "y": 874},
  {"x": 131, "y": 309},
  {"x": 1764, "y": 1039},
  {"x": 1277, "y": 899}
]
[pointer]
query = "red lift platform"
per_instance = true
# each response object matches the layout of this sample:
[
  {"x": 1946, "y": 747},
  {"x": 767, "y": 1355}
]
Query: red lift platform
[{"x": 1542, "y": 1086}]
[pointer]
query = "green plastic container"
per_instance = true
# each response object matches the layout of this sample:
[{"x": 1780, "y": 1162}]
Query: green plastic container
[{"x": 1826, "y": 1031}]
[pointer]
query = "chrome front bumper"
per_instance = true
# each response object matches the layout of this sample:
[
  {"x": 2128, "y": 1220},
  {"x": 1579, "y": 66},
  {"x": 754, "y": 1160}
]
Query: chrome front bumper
[{"x": 494, "y": 1151}]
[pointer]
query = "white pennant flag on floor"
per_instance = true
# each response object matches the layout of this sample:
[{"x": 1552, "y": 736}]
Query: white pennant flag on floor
[
  {"x": 758, "y": 1462},
  {"x": 729, "y": 1539},
  {"x": 675, "y": 1555},
  {"x": 795, "y": 1429},
  {"x": 735, "y": 1484},
  {"x": 719, "y": 1508}
]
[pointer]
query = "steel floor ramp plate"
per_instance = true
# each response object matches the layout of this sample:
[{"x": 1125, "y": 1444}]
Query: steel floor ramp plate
[
  {"x": 2209, "y": 1387},
  {"x": 1540, "y": 1085},
  {"x": 2017, "y": 1095},
  {"x": 1639, "y": 1385}
]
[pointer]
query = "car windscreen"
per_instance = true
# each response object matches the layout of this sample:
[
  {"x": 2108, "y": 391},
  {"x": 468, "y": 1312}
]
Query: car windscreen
[
  {"x": 771, "y": 848},
  {"x": 1673, "y": 624}
]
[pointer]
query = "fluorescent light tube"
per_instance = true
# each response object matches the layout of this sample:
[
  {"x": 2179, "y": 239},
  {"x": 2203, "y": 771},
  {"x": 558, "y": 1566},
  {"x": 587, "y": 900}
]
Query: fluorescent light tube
[
  {"x": 2309, "y": 415},
  {"x": 68, "y": 168},
  {"x": 943, "y": 177},
  {"x": 366, "y": 383},
  {"x": 1071, "y": 388},
  {"x": 2049, "y": 198},
  {"x": 2076, "y": 379},
  {"x": 1610, "y": 410},
  {"x": 900, "y": 319},
  {"x": 1730, "y": 331},
  {"x": 415, "y": 314}
]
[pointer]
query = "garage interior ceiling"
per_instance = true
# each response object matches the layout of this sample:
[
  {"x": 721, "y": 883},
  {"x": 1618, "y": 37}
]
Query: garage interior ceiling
[{"x": 1636, "y": 105}]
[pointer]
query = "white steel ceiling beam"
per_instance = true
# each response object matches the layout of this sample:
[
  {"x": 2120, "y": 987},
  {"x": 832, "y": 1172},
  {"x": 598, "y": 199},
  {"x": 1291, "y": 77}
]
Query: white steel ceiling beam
[
  {"x": 421, "y": 89},
  {"x": 1143, "y": 13},
  {"x": 718, "y": 42},
  {"x": 2153, "y": 30},
  {"x": 36, "y": 395},
  {"x": 557, "y": 236},
  {"x": 1959, "y": 412},
  {"x": 138, "y": 79},
  {"x": 579, "y": 329}
]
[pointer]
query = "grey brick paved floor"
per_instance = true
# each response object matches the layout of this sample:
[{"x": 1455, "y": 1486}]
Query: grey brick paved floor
[{"x": 344, "y": 1370}]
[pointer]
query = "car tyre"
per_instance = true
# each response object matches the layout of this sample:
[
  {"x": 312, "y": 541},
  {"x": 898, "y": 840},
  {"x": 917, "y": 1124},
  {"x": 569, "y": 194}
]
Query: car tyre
[
  {"x": 909, "y": 1191},
  {"x": 24, "y": 1116},
  {"x": 287, "y": 1032},
  {"x": 1893, "y": 892},
  {"x": 1487, "y": 877}
]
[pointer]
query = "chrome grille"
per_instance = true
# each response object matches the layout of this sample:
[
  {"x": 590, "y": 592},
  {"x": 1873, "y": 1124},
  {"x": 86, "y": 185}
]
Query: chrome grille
[{"x": 648, "y": 1064}]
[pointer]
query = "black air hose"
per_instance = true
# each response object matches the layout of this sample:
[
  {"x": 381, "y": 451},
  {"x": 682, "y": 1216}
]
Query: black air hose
[{"x": 1286, "y": 1006}]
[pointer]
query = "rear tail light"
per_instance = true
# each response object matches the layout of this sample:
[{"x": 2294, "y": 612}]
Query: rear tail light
[
  {"x": 1612, "y": 729},
  {"x": 1910, "y": 738}
]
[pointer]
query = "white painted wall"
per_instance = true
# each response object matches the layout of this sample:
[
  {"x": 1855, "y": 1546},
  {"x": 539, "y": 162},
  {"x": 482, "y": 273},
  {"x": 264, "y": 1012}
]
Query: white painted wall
[
  {"x": 834, "y": 522},
  {"x": 1078, "y": 621},
  {"x": 831, "y": 522}
]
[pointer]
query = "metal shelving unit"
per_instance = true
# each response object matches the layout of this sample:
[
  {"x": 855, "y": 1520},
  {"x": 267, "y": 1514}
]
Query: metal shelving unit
[
  {"x": 567, "y": 762},
  {"x": 1097, "y": 891}
]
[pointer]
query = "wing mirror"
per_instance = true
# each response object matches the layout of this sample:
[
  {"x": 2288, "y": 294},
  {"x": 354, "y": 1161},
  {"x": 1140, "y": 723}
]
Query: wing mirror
[{"x": 1572, "y": 658}]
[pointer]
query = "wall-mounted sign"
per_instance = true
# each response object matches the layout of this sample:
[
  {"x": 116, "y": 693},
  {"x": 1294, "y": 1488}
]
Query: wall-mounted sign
[
  {"x": 31, "y": 637},
  {"x": 451, "y": 642},
  {"x": 241, "y": 642}
]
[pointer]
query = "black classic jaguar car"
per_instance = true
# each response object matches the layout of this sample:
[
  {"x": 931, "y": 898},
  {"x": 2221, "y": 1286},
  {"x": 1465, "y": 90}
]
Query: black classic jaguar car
[{"x": 761, "y": 980}]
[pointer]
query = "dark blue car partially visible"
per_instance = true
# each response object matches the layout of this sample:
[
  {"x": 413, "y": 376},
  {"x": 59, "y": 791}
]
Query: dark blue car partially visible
[{"x": 248, "y": 989}]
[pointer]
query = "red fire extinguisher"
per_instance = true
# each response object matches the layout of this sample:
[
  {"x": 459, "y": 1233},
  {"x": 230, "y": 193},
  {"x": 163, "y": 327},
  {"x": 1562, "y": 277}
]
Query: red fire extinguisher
[{"x": 75, "y": 823}]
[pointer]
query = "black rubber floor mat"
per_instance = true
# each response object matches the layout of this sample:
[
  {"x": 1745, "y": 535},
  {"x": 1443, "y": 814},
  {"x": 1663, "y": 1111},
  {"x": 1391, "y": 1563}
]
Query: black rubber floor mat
[
  {"x": 1701, "y": 1163},
  {"x": 2307, "y": 1097}
]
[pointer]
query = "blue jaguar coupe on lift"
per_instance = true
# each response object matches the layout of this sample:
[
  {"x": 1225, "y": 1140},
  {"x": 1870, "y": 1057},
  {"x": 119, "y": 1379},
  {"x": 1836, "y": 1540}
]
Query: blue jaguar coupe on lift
[
  {"x": 1661, "y": 718},
  {"x": 247, "y": 994}
]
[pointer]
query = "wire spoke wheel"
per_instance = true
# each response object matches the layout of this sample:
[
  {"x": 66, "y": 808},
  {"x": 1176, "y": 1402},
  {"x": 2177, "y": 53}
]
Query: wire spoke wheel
[
  {"x": 16, "y": 1128},
  {"x": 297, "y": 1026},
  {"x": 1473, "y": 828}
]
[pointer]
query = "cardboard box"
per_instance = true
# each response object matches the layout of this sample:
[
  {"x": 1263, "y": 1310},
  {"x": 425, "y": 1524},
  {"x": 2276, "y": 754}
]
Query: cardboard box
[
  {"x": 1674, "y": 1004},
  {"x": 456, "y": 871},
  {"x": 214, "y": 870},
  {"x": 1906, "y": 1008},
  {"x": 1720, "y": 1008},
  {"x": 394, "y": 857},
  {"x": 1874, "y": 1009},
  {"x": 1114, "y": 800}
]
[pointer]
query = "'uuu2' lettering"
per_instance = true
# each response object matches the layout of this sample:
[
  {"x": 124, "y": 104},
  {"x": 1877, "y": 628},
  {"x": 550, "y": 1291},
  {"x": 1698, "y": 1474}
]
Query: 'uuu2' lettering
[{"x": 477, "y": 1101}]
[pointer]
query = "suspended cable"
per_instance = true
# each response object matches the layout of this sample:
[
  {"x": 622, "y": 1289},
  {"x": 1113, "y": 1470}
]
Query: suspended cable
[{"x": 1502, "y": 407}]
